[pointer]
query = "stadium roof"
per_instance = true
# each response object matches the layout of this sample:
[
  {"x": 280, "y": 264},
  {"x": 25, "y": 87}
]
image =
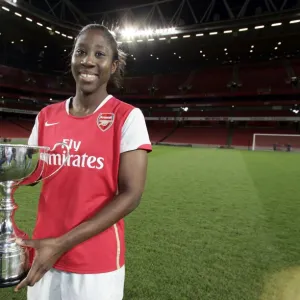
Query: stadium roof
[
  {"x": 161, "y": 36},
  {"x": 162, "y": 13}
]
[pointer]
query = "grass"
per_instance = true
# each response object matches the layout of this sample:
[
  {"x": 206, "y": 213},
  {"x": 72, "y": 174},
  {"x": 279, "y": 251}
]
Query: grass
[{"x": 212, "y": 225}]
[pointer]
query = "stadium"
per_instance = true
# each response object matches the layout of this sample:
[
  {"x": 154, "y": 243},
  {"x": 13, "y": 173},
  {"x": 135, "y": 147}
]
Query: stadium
[{"x": 218, "y": 82}]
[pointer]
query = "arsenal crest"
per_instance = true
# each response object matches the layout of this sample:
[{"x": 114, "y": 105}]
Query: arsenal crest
[{"x": 105, "y": 121}]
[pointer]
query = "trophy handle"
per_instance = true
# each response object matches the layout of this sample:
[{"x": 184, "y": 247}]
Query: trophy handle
[{"x": 65, "y": 160}]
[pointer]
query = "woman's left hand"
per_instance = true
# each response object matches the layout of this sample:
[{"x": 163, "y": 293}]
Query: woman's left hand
[{"x": 47, "y": 252}]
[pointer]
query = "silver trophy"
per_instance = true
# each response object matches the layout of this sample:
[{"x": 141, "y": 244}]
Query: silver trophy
[{"x": 18, "y": 163}]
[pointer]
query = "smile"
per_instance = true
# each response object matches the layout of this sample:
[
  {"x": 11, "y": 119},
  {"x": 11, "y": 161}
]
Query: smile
[{"x": 88, "y": 77}]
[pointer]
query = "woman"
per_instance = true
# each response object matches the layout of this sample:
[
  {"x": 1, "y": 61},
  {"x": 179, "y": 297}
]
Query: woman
[{"x": 78, "y": 240}]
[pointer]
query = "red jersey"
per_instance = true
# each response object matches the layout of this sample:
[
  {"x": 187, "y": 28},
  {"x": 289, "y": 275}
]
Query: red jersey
[{"x": 89, "y": 178}]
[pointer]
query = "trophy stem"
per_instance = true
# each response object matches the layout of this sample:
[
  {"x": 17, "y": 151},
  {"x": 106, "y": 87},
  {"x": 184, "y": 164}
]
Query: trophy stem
[
  {"x": 13, "y": 258},
  {"x": 7, "y": 211}
]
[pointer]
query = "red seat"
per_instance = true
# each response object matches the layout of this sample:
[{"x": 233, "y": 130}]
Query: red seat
[
  {"x": 12, "y": 130},
  {"x": 199, "y": 135}
]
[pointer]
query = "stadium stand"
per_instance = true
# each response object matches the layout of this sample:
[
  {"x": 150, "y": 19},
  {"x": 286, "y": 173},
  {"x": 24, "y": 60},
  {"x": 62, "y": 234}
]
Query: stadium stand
[
  {"x": 208, "y": 136},
  {"x": 137, "y": 85},
  {"x": 158, "y": 131},
  {"x": 263, "y": 78},
  {"x": 212, "y": 81},
  {"x": 259, "y": 78},
  {"x": 15, "y": 129},
  {"x": 170, "y": 84}
]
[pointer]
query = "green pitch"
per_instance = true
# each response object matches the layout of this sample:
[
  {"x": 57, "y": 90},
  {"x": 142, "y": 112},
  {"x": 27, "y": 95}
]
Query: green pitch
[{"x": 212, "y": 225}]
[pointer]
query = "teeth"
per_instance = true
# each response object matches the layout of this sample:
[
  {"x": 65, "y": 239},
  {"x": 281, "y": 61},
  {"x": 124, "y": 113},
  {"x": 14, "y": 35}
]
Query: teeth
[{"x": 88, "y": 75}]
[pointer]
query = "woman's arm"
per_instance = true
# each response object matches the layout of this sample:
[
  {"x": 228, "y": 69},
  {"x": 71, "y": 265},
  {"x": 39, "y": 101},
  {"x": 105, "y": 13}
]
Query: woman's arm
[{"x": 132, "y": 177}]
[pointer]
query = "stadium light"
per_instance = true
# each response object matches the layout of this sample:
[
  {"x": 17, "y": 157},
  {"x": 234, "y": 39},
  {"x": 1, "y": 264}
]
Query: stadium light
[
  {"x": 17, "y": 14},
  {"x": 276, "y": 24},
  {"x": 186, "y": 36},
  {"x": 28, "y": 19},
  {"x": 243, "y": 29},
  {"x": 199, "y": 34},
  {"x": 228, "y": 31},
  {"x": 294, "y": 21},
  {"x": 259, "y": 27},
  {"x": 128, "y": 32},
  {"x": 133, "y": 32},
  {"x": 165, "y": 31},
  {"x": 174, "y": 37},
  {"x": 5, "y": 8},
  {"x": 213, "y": 33},
  {"x": 40, "y": 24}
]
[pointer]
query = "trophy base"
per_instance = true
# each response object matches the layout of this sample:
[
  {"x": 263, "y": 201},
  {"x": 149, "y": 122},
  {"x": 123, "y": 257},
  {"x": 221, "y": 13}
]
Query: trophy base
[{"x": 11, "y": 282}]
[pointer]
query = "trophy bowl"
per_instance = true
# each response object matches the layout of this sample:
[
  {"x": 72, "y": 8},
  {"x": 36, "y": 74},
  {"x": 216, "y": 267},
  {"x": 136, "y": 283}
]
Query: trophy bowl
[{"x": 19, "y": 165}]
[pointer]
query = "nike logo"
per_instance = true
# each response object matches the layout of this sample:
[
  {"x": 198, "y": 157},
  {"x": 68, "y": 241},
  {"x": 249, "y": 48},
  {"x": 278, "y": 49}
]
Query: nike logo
[{"x": 50, "y": 124}]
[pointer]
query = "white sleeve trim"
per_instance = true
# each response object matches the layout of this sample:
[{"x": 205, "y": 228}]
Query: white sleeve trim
[
  {"x": 34, "y": 136},
  {"x": 134, "y": 132}
]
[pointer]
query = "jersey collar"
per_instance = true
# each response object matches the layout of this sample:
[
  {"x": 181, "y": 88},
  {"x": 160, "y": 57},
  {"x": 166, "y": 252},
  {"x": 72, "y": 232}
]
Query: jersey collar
[{"x": 99, "y": 106}]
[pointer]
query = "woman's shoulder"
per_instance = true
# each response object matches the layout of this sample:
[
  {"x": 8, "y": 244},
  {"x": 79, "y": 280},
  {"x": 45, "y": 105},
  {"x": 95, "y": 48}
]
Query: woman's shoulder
[{"x": 54, "y": 107}]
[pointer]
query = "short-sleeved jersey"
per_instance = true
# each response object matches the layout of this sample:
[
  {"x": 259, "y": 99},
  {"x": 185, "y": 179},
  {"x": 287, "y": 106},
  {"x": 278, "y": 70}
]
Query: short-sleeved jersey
[{"x": 89, "y": 178}]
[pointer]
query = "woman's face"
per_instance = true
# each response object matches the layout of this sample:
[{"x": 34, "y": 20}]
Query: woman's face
[{"x": 92, "y": 61}]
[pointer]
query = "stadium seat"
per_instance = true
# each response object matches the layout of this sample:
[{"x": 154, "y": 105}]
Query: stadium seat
[
  {"x": 208, "y": 136},
  {"x": 18, "y": 129},
  {"x": 263, "y": 78},
  {"x": 159, "y": 130}
]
